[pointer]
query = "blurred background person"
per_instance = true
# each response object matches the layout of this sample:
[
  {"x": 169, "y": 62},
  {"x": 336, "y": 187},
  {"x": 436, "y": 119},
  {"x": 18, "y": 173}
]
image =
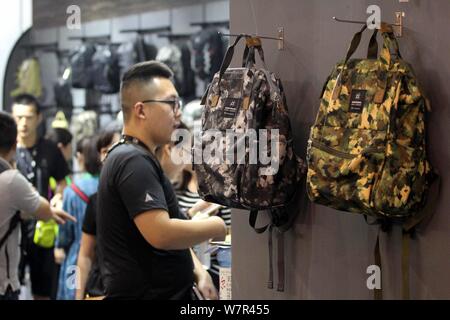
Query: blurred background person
[
  {"x": 90, "y": 281},
  {"x": 75, "y": 200}
]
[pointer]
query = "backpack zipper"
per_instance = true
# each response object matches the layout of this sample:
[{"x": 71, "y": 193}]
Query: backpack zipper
[
  {"x": 334, "y": 152},
  {"x": 340, "y": 154}
]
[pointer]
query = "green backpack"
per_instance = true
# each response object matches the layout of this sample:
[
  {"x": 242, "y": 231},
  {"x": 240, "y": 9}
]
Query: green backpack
[{"x": 366, "y": 153}]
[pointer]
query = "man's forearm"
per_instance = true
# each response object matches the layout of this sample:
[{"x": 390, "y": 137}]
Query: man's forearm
[
  {"x": 44, "y": 212},
  {"x": 187, "y": 233},
  {"x": 61, "y": 185}
]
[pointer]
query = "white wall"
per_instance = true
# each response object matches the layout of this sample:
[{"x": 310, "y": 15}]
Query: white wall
[{"x": 16, "y": 17}]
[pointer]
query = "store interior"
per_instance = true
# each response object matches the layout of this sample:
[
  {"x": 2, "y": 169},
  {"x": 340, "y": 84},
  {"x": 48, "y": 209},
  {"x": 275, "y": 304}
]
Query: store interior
[{"x": 326, "y": 254}]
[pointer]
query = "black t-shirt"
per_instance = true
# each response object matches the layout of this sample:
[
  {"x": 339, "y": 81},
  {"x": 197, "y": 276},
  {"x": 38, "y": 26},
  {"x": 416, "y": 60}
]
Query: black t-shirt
[
  {"x": 90, "y": 214},
  {"x": 94, "y": 284},
  {"x": 40, "y": 162},
  {"x": 131, "y": 183}
]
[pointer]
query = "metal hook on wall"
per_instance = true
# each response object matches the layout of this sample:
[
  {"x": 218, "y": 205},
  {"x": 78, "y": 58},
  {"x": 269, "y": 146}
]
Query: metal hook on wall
[
  {"x": 280, "y": 37},
  {"x": 397, "y": 26}
]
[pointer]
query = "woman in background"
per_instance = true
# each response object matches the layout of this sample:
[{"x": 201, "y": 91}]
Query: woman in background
[
  {"x": 75, "y": 200},
  {"x": 90, "y": 281},
  {"x": 185, "y": 182}
]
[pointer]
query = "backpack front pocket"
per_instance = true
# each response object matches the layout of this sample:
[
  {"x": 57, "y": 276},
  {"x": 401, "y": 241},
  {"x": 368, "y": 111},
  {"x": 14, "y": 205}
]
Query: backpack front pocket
[{"x": 343, "y": 179}]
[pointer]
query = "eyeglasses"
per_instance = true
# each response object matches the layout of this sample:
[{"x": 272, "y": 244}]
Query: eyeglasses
[{"x": 175, "y": 103}]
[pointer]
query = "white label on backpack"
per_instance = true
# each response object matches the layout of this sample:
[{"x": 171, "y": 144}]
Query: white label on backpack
[
  {"x": 230, "y": 107},
  {"x": 357, "y": 100}
]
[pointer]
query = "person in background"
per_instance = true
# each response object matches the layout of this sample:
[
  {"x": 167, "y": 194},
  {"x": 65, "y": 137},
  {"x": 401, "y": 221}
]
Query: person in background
[
  {"x": 76, "y": 198},
  {"x": 63, "y": 140},
  {"x": 90, "y": 281},
  {"x": 185, "y": 182},
  {"x": 38, "y": 159},
  {"x": 18, "y": 200}
]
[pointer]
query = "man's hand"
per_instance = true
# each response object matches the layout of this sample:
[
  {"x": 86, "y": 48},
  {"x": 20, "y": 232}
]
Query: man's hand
[
  {"x": 206, "y": 286},
  {"x": 61, "y": 216},
  {"x": 56, "y": 201},
  {"x": 203, "y": 206},
  {"x": 60, "y": 255}
]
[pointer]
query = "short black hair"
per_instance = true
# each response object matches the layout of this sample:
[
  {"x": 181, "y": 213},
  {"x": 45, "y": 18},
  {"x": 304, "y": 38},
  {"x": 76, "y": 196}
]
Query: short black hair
[
  {"x": 28, "y": 99},
  {"x": 60, "y": 135},
  {"x": 146, "y": 71},
  {"x": 88, "y": 148},
  {"x": 8, "y": 129},
  {"x": 143, "y": 72},
  {"x": 105, "y": 138}
]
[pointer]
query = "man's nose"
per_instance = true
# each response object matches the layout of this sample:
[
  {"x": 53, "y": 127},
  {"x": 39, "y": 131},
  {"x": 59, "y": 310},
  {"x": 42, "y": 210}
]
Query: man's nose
[{"x": 178, "y": 114}]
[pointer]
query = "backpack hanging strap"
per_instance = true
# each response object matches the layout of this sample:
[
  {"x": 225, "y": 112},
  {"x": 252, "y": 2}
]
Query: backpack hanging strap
[
  {"x": 405, "y": 264},
  {"x": 79, "y": 193},
  {"x": 372, "y": 52},
  {"x": 252, "y": 222},
  {"x": 280, "y": 264},
  {"x": 270, "y": 282},
  {"x": 378, "y": 293}
]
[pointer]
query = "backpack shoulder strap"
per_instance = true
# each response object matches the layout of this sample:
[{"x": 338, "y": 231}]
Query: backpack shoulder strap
[
  {"x": 4, "y": 165},
  {"x": 79, "y": 193},
  {"x": 12, "y": 226}
]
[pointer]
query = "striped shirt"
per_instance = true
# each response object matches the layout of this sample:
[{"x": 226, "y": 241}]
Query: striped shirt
[{"x": 187, "y": 200}]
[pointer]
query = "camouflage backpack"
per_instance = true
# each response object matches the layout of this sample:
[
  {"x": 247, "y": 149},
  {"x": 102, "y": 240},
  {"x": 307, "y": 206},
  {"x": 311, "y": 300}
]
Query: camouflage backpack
[
  {"x": 247, "y": 105},
  {"x": 366, "y": 152}
]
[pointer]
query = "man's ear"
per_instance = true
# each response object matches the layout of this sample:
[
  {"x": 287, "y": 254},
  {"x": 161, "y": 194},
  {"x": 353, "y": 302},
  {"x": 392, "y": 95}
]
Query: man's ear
[
  {"x": 139, "y": 110},
  {"x": 39, "y": 118}
]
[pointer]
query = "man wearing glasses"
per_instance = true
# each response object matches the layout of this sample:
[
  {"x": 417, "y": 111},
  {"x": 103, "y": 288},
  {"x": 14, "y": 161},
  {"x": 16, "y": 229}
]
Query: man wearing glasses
[{"x": 144, "y": 240}]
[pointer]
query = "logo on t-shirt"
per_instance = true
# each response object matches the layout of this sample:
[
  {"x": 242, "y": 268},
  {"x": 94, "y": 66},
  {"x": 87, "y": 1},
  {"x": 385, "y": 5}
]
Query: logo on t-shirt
[{"x": 148, "y": 198}]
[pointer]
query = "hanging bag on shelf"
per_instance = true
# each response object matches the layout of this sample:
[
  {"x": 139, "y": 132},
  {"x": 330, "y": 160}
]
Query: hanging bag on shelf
[
  {"x": 367, "y": 150},
  {"x": 249, "y": 104}
]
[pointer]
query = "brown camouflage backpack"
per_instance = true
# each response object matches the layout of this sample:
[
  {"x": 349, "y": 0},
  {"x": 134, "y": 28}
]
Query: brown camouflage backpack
[
  {"x": 245, "y": 116},
  {"x": 367, "y": 152}
]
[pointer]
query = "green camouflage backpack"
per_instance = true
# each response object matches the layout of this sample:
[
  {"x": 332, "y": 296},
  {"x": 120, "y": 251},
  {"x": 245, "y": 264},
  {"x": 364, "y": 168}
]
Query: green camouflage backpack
[
  {"x": 367, "y": 152},
  {"x": 245, "y": 119}
]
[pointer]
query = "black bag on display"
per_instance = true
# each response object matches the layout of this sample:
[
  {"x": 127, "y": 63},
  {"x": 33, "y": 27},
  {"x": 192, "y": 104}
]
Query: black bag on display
[
  {"x": 106, "y": 70},
  {"x": 81, "y": 62},
  {"x": 187, "y": 90},
  {"x": 133, "y": 52},
  {"x": 171, "y": 55},
  {"x": 145, "y": 51},
  {"x": 62, "y": 92}
]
